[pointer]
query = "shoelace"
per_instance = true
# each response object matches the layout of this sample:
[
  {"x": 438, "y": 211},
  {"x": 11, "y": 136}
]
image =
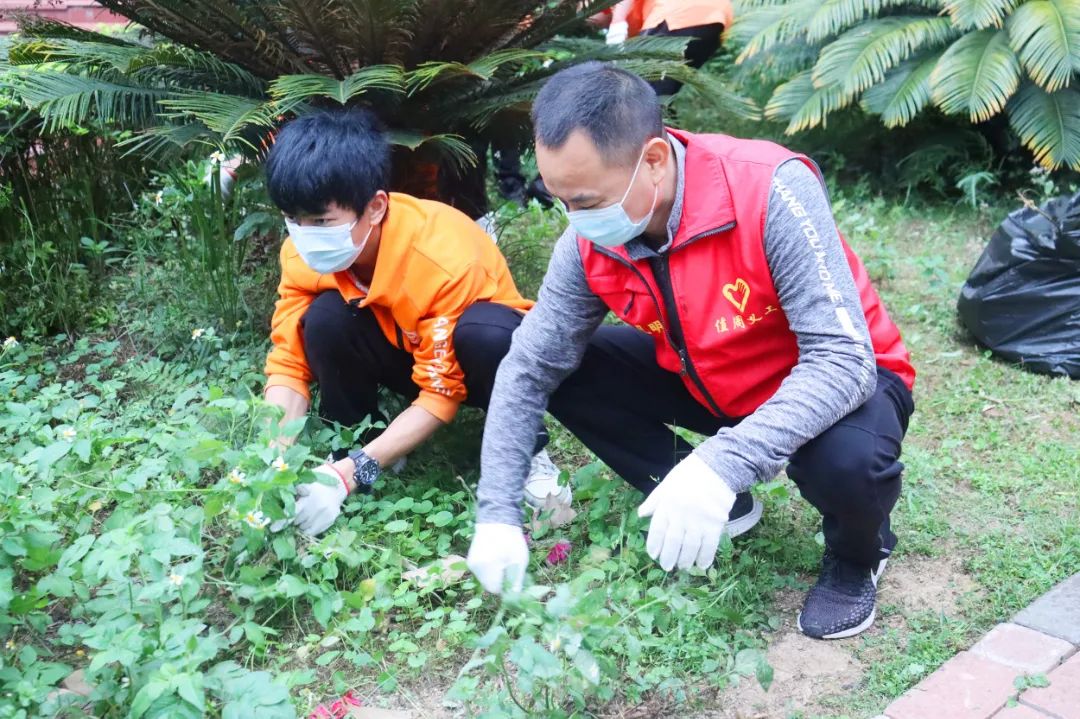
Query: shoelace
[{"x": 842, "y": 576}]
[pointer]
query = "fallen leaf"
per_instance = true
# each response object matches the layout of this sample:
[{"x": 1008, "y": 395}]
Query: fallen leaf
[
  {"x": 553, "y": 514},
  {"x": 448, "y": 570}
]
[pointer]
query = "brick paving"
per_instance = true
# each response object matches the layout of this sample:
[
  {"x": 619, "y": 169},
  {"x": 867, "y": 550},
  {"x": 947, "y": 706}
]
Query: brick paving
[{"x": 1042, "y": 641}]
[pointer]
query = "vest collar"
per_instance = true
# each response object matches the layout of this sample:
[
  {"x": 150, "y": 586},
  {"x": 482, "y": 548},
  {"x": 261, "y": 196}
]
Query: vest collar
[{"x": 707, "y": 204}]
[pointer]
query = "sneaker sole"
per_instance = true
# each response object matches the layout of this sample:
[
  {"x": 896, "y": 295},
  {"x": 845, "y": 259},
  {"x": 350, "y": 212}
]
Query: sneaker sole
[
  {"x": 874, "y": 577},
  {"x": 845, "y": 633},
  {"x": 745, "y": 523}
]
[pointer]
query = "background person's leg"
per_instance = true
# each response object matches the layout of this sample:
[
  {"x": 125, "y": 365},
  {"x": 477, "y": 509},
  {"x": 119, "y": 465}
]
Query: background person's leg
[
  {"x": 851, "y": 473},
  {"x": 704, "y": 42},
  {"x": 351, "y": 358}
]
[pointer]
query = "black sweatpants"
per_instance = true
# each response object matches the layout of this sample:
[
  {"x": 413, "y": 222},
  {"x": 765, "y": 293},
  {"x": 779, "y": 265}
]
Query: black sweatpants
[
  {"x": 704, "y": 42},
  {"x": 351, "y": 358},
  {"x": 620, "y": 404}
]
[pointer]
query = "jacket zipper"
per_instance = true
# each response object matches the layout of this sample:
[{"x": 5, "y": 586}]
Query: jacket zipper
[{"x": 687, "y": 369}]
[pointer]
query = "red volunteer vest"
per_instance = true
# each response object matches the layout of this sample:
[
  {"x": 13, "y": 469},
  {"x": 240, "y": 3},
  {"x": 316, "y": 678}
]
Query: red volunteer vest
[{"x": 737, "y": 347}]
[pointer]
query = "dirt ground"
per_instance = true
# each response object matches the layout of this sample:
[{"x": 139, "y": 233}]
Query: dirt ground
[{"x": 811, "y": 677}]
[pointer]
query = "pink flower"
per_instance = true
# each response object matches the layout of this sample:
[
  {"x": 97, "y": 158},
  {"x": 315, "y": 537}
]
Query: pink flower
[{"x": 559, "y": 553}]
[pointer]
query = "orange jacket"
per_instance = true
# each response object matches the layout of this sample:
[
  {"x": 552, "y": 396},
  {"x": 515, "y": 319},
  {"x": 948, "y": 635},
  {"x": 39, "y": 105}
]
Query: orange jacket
[
  {"x": 433, "y": 263},
  {"x": 679, "y": 14}
]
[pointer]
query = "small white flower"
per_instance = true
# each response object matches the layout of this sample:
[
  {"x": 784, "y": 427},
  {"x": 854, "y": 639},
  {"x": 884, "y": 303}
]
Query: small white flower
[
  {"x": 237, "y": 477},
  {"x": 197, "y": 333},
  {"x": 68, "y": 433},
  {"x": 176, "y": 579},
  {"x": 159, "y": 196},
  {"x": 10, "y": 342},
  {"x": 125, "y": 682},
  {"x": 280, "y": 465},
  {"x": 256, "y": 520},
  {"x": 217, "y": 157}
]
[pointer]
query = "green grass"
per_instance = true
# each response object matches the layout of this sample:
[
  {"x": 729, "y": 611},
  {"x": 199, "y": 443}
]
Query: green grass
[
  {"x": 993, "y": 467},
  {"x": 991, "y": 494}
]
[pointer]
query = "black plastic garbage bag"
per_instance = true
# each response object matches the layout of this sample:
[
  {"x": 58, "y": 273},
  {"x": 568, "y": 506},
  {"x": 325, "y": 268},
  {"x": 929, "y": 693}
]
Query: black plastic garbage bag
[{"x": 1022, "y": 300}]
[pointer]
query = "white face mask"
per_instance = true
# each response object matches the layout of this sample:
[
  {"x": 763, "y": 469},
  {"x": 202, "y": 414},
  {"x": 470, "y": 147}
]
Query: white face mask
[
  {"x": 327, "y": 249},
  {"x": 610, "y": 226}
]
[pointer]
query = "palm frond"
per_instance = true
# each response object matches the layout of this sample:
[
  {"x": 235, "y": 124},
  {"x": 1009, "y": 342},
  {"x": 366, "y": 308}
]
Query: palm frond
[
  {"x": 162, "y": 141},
  {"x": 1046, "y": 36},
  {"x": 453, "y": 147},
  {"x": 289, "y": 90},
  {"x": 771, "y": 68},
  {"x": 74, "y": 52},
  {"x": 834, "y": 16},
  {"x": 976, "y": 75},
  {"x": 65, "y": 99},
  {"x": 725, "y": 99},
  {"x": 769, "y": 26},
  {"x": 33, "y": 26},
  {"x": 229, "y": 116},
  {"x": 1048, "y": 124},
  {"x": 861, "y": 56},
  {"x": 164, "y": 63},
  {"x": 485, "y": 68},
  {"x": 979, "y": 14},
  {"x": 803, "y": 105},
  {"x": 904, "y": 92}
]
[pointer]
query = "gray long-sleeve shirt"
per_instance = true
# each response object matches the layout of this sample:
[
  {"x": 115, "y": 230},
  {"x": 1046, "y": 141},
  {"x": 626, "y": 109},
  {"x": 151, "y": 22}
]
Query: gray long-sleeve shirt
[{"x": 835, "y": 372}]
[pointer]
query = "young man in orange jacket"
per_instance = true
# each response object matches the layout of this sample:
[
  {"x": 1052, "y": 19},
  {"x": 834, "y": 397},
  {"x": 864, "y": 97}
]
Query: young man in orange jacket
[
  {"x": 380, "y": 289},
  {"x": 747, "y": 318}
]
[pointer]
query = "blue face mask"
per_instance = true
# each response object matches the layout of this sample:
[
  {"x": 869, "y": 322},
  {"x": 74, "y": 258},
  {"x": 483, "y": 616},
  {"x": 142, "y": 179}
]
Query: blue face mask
[
  {"x": 326, "y": 249},
  {"x": 610, "y": 226}
]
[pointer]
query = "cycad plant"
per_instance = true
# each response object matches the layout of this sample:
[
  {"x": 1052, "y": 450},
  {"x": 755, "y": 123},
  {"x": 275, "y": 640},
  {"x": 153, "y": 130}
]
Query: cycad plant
[
  {"x": 444, "y": 75},
  {"x": 897, "y": 58}
]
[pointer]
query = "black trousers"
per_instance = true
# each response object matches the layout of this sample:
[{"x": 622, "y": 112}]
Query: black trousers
[
  {"x": 352, "y": 359},
  {"x": 705, "y": 40},
  {"x": 620, "y": 403}
]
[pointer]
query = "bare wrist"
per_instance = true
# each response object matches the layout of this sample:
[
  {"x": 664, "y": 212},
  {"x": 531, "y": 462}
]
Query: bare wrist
[{"x": 345, "y": 468}]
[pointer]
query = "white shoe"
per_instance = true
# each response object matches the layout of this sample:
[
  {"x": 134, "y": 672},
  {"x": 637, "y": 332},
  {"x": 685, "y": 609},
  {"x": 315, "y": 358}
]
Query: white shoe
[{"x": 543, "y": 481}]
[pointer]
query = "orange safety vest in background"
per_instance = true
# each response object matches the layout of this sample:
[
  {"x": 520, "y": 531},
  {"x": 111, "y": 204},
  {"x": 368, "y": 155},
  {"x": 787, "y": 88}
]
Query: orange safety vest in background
[
  {"x": 433, "y": 264},
  {"x": 679, "y": 14}
]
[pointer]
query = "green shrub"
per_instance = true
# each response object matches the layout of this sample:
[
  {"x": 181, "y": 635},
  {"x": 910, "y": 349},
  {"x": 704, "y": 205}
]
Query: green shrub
[
  {"x": 58, "y": 193},
  {"x": 976, "y": 59}
]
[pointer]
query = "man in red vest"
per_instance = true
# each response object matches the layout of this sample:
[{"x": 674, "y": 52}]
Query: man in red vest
[{"x": 748, "y": 319}]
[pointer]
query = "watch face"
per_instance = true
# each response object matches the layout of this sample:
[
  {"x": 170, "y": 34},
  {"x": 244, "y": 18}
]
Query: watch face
[{"x": 366, "y": 472}]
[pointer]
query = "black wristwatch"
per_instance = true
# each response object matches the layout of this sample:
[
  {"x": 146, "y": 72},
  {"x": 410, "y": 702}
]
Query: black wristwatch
[{"x": 366, "y": 472}]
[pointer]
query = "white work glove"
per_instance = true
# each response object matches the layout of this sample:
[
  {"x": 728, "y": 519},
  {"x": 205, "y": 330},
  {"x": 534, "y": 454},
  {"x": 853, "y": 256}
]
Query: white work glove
[
  {"x": 689, "y": 511},
  {"x": 617, "y": 33},
  {"x": 498, "y": 555},
  {"x": 317, "y": 504}
]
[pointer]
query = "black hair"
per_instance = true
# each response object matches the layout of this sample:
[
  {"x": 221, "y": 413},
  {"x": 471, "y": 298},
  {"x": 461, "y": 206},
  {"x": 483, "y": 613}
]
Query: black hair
[
  {"x": 340, "y": 156},
  {"x": 617, "y": 109}
]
